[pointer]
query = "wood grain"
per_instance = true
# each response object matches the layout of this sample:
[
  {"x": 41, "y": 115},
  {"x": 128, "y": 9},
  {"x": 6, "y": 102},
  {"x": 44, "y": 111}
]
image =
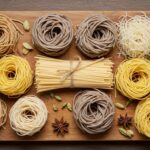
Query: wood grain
[
  {"x": 67, "y": 95},
  {"x": 75, "y": 5}
]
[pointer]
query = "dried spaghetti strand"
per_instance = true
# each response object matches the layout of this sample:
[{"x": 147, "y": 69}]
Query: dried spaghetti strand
[
  {"x": 96, "y": 36},
  {"x": 9, "y": 35},
  {"x": 28, "y": 115},
  {"x": 132, "y": 78},
  {"x": 52, "y": 34},
  {"x": 142, "y": 117},
  {"x": 93, "y": 111},
  {"x": 3, "y": 113},
  {"x": 55, "y": 74},
  {"x": 16, "y": 75},
  {"x": 134, "y": 36}
]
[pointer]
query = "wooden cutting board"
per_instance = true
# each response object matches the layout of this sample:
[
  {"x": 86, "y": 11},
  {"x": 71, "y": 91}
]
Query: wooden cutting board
[{"x": 46, "y": 134}]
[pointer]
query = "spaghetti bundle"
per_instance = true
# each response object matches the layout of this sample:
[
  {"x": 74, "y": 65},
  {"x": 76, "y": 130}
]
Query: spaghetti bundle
[
  {"x": 28, "y": 115},
  {"x": 52, "y": 34},
  {"x": 134, "y": 36},
  {"x": 9, "y": 35},
  {"x": 93, "y": 111},
  {"x": 3, "y": 112},
  {"x": 133, "y": 78},
  {"x": 15, "y": 75},
  {"x": 96, "y": 36},
  {"x": 142, "y": 117},
  {"x": 55, "y": 74}
]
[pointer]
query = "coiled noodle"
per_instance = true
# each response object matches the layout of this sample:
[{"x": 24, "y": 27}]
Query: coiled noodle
[
  {"x": 9, "y": 35},
  {"x": 96, "y": 36},
  {"x": 16, "y": 75},
  {"x": 93, "y": 111},
  {"x": 142, "y": 117},
  {"x": 133, "y": 78},
  {"x": 28, "y": 115},
  {"x": 52, "y": 34}
]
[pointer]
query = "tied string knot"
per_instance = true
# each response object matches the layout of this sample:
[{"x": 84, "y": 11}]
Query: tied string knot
[{"x": 72, "y": 70}]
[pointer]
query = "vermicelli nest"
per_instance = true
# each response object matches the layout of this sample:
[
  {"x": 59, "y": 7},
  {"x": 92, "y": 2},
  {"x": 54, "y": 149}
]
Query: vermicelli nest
[
  {"x": 142, "y": 117},
  {"x": 9, "y": 35},
  {"x": 133, "y": 78},
  {"x": 16, "y": 75},
  {"x": 28, "y": 115},
  {"x": 93, "y": 111},
  {"x": 52, "y": 34},
  {"x": 96, "y": 36},
  {"x": 134, "y": 36}
]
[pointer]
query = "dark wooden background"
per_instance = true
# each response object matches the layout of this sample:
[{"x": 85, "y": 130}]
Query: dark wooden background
[{"x": 75, "y": 5}]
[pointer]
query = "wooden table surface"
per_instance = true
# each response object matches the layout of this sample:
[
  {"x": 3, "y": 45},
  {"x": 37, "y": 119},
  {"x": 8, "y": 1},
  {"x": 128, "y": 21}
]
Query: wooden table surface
[{"x": 75, "y": 5}]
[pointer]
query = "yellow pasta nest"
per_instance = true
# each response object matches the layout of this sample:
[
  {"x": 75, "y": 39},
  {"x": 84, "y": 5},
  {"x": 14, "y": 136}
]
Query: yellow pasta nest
[
  {"x": 133, "y": 78},
  {"x": 15, "y": 75},
  {"x": 142, "y": 117}
]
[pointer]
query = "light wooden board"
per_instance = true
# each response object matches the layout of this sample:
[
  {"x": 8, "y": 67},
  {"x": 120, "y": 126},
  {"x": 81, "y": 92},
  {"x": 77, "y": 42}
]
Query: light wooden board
[{"x": 46, "y": 134}]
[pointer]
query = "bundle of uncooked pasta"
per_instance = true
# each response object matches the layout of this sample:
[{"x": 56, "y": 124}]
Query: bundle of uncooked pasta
[{"x": 55, "y": 73}]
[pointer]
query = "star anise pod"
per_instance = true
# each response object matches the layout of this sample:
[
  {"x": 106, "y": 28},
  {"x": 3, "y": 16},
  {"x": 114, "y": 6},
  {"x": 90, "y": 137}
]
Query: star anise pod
[
  {"x": 125, "y": 121},
  {"x": 60, "y": 126}
]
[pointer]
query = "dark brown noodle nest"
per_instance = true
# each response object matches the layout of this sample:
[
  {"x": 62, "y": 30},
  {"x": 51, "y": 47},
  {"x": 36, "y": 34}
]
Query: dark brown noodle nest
[
  {"x": 93, "y": 111},
  {"x": 52, "y": 34},
  {"x": 96, "y": 36}
]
